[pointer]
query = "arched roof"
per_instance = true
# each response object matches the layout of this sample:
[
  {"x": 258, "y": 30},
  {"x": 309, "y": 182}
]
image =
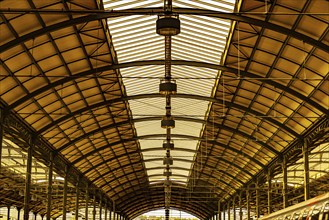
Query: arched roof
[{"x": 82, "y": 82}]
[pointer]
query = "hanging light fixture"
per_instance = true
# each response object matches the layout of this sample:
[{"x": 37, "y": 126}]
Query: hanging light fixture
[
  {"x": 168, "y": 122},
  {"x": 168, "y": 144},
  {"x": 168, "y": 161},
  {"x": 168, "y": 25},
  {"x": 168, "y": 87}
]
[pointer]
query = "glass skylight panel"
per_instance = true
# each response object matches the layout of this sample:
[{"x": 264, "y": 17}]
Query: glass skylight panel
[{"x": 202, "y": 39}]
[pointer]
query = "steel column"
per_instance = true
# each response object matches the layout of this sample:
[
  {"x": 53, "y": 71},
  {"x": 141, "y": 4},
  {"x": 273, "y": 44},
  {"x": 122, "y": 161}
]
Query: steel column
[
  {"x": 87, "y": 202},
  {"x": 257, "y": 200},
  {"x": 8, "y": 212},
  {"x": 269, "y": 192},
  {"x": 18, "y": 213},
  {"x": 234, "y": 214},
  {"x": 248, "y": 203},
  {"x": 94, "y": 206},
  {"x": 100, "y": 207},
  {"x": 228, "y": 211},
  {"x": 50, "y": 186},
  {"x": 284, "y": 182},
  {"x": 77, "y": 191},
  {"x": 27, "y": 196},
  {"x": 240, "y": 207},
  {"x": 1, "y": 133},
  {"x": 113, "y": 210},
  {"x": 219, "y": 212},
  {"x": 306, "y": 171},
  {"x": 106, "y": 210},
  {"x": 65, "y": 194}
]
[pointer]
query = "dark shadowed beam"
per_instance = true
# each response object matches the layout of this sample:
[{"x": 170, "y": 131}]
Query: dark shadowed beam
[
  {"x": 188, "y": 137},
  {"x": 101, "y": 14},
  {"x": 242, "y": 74},
  {"x": 156, "y": 95}
]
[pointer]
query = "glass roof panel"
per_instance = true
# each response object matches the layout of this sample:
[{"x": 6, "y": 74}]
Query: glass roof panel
[{"x": 201, "y": 39}]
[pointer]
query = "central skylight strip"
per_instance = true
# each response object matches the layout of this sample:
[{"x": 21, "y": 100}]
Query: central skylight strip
[{"x": 202, "y": 39}]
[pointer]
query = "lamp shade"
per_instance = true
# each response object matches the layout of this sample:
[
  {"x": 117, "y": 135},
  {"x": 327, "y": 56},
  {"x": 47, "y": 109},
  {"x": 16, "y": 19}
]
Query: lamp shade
[
  {"x": 168, "y": 122},
  {"x": 168, "y": 26},
  {"x": 168, "y": 87}
]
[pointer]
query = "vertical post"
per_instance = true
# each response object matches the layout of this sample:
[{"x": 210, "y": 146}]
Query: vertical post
[
  {"x": 50, "y": 186},
  {"x": 269, "y": 192},
  {"x": 306, "y": 171},
  {"x": 284, "y": 182},
  {"x": 94, "y": 206},
  {"x": 224, "y": 211},
  {"x": 2, "y": 117},
  {"x": 77, "y": 191},
  {"x": 234, "y": 213},
  {"x": 248, "y": 203},
  {"x": 110, "y": 216},
  {"x": 87, "y": 202},
  {"x": 219, "y": 213},
  {"x": 8, "y": 212},
  {"x": 100, "y": 207},
  {"x": 65, "y": 193},
  {"x": 113, "y": 210},
  {"x": 27, "y": 196},
  {"x": 240, "y": 207},
  {"x": 18, "y": 213},
  {"x": 106, "y": 210},
  {"x": 228, "y": 210},
  {"x": 257, "y": 200}
]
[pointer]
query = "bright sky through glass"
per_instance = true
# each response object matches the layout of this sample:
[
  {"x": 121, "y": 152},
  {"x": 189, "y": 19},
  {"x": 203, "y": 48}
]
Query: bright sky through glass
[{"x": 202, "y": 39}]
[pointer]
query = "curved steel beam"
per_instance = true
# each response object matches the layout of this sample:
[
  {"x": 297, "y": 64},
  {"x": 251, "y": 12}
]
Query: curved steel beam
[
  {"x": 142, "y": 96},
  {"x": 173, "y": 62},
  {"x": 131, "y": 164},
  {"x": 176, "y": 149},
  {"x": 138, "y": 151},
  {"x": 133, "y": 202},
  {"x": 173, "y": 167},
  {"x": 147, "y": 137},
  {"x": 101, "y": 14},
  {"x": 197, "y": 210}
]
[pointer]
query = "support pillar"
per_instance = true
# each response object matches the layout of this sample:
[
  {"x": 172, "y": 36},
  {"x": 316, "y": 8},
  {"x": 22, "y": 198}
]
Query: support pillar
[
  {"x": 106, "y": 210},
  {"x": 284, "y": 182},
  {"x": 269, "y": 192},
  {"x": 2, "y": 117},
  {"x": 248, "y": 203},
  {"x": 228, "y": 210},
  {"x": 8, "y": 212},
  {"x": 224, "y": 211},
  {"x": 234, "y": 213},
  {"x": 65, "y": 193},
  {"x": 77, "y": 192},
  {"x": 27, "y": 196},
  {"x": 50, "y": 187},
  {"x": 257, "y": 200},
  {"x": 87, "y": 202},
  {"x": 240, "y": 207},
  {"x": 219, "y": 212},
  {"x": 100, "y": 207},
  {"x": 306, "y": 171},
  {"x": 94, "y": 207},
  {"x": 18, "y": 213},
  {"x": 113, "y": 210}
]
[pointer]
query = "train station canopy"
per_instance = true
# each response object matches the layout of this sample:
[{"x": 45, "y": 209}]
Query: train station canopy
[{"x": 79, "y": 86}]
